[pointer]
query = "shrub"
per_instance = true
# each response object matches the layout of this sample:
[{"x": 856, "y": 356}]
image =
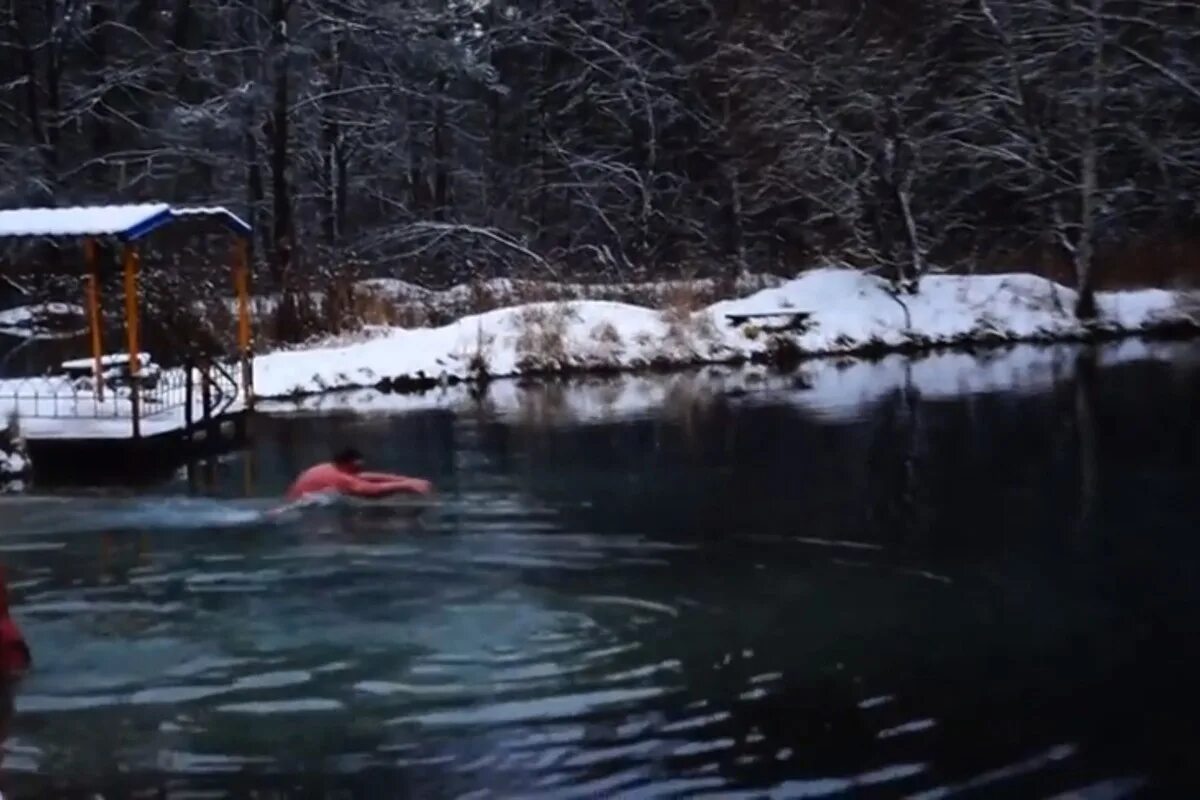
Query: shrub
[{"x": 542, "y": 335}]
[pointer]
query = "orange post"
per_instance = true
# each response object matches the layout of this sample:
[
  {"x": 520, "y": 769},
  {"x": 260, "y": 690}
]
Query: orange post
[
  {"x": 95, "y": 322},
  {"x": 131, "y": 329},
  {"x": 241, "y": 282}
]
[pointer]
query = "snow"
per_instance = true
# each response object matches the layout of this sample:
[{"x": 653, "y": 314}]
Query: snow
[
  {"x": 11, "y": 464},
  {"x": 77, "y": 220},
  {"x": 41, "y": 321},
  {"x": 211, "y": 212},
  {"x": 850, "y": 311},
  {"x": 28, "y": 315},
  {"x": 857, "y": 307},
  {"x": 495, "y": 337},
  {"x": 114, "y": 359},
  {"x": 168, "y": 421}
]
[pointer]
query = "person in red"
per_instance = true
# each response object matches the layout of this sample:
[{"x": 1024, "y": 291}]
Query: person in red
[
  {"x": 345, "y": 475},
  {"x": 15, "y": 658}
]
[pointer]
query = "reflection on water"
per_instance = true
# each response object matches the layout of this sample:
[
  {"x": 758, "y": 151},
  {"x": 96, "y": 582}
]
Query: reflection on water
[{"x": 717, "y": 585}]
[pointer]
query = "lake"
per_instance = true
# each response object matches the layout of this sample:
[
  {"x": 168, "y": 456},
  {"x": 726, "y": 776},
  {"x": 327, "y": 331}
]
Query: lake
[{"x": 959, "y": 575}]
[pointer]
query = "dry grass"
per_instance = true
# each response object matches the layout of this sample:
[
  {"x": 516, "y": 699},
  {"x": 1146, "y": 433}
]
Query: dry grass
[
  {"x": 542, "y": 335},
  {"x": 342, "y": 305},
  {"x": 686, "y": 297},
  {"x": 687, "y": 327},
  {"x": 375, "y": 308},
  {"x": 606, "y": 333}
]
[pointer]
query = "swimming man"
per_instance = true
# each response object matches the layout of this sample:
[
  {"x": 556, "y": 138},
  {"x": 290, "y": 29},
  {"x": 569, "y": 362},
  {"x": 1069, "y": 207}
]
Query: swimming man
[{"x": 345, "y": 475}]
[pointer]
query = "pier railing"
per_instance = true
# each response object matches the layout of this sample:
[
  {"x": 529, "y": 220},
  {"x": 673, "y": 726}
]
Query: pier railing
[{"x": 154, "y": 400}]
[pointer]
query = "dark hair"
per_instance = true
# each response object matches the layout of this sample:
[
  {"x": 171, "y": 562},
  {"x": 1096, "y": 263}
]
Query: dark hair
[{"x": 347, "y": 456}]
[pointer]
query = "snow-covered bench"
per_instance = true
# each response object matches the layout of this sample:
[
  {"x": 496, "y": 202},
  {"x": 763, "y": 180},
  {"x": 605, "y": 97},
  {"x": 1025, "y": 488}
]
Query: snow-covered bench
[
  {"x": 116, "y": 369},
  {"x": 797, "y": 320}
]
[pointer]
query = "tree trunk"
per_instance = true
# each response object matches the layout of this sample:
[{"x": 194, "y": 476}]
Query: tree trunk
[
  {"x": 331, "y": 158},
  {"x": 33, "y": 109},
  {"x": 736, "y": 230},
  {"x": 53, "y": 95},
  {"x": 281, "y": 197},
  {"x": 101, "y": 135},
  {"x": 416, "y": 172},
  {"x": 441, "y": 154},
  {"x": 184, "y": 20},
  {"x": 255, "y": 189},
  {"x": 1085, "y": 250}
]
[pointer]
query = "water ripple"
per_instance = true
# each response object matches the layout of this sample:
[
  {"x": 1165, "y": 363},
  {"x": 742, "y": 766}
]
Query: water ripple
[
  {"x": 530, "y": 638},
  {"x": 534, "y": 709},
  {"x": 297, "y": 706}
]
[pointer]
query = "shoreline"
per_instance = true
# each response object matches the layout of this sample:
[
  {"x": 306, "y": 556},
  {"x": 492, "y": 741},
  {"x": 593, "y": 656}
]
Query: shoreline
[
  {"x": 829, "y": 386},
  {"x": 846, "y": 315},
  {"x": 416, "y": 385},
  {"x": 828, "y": 313}
]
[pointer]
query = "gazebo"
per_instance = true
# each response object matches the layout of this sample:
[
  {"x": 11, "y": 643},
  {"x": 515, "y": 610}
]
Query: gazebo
[{"x": 117, "y": 401}]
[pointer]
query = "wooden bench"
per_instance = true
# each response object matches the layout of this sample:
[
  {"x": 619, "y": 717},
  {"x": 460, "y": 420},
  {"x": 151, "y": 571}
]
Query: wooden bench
[{"x": 797, "y": 320}]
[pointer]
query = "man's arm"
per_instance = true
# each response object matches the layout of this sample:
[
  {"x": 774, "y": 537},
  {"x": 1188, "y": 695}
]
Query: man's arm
[
  {"x": 417, "y": 485},
  {"x": 378, "y": 485},
  {"x": 378, "y": 477}
]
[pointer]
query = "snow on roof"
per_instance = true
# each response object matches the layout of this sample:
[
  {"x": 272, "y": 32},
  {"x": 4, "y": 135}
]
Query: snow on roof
[
  {"x": 126, "y": 221},
  {"x": 224, "y": 214},
  {"x": 78, "y": 220}
]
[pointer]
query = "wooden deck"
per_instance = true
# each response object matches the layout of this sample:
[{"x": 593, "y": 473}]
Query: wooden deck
[
  {"x": 61, "y": 459},
  {"x": 76, "y": 430}
]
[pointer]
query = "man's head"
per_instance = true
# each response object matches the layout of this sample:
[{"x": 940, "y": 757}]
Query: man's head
[{"x": 349, "y": 460}]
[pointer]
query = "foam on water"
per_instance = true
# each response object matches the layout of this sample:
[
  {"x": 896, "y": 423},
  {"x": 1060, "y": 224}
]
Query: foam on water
[{"x": 32, "y": 516}]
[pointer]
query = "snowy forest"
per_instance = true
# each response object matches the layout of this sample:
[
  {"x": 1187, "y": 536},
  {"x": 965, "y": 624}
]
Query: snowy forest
[{"x": 625, "y": 139}]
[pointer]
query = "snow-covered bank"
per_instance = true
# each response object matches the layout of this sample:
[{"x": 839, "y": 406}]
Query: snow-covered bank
[
  {"x": 848, "y": 312},
  {"x": 828, "y": 389}
]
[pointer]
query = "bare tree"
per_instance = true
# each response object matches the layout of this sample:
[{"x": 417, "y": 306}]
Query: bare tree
[{"x": 446, "y": 140}]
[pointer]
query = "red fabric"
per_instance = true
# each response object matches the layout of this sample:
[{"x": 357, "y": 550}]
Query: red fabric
[
  {"x": 328, "y": 478},
  {"x": 14, "y": 652}
]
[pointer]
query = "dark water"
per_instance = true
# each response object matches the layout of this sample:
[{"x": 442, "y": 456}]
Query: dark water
[{"x": 945, "y": 578}]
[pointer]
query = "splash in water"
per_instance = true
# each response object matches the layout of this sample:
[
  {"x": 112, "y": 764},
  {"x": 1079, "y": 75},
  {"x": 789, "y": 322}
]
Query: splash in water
[{"x": 34, "y": 516}]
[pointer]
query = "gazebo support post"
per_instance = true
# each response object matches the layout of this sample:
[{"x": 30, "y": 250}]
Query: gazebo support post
[
  {"x": 241, "y": 282},
  {"x": 95, "y": 320},
  {"x": 131, "y": 329}
]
